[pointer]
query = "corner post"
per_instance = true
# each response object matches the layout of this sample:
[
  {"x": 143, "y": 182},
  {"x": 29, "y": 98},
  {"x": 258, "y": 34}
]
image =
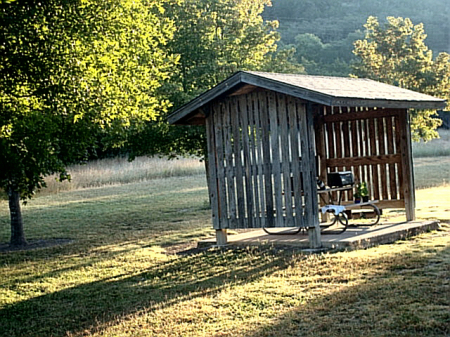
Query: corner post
[
  {"x": 314, "y": 236},
  {"x": 407, "y": 166},
  {"x": 221, "y": 237}
]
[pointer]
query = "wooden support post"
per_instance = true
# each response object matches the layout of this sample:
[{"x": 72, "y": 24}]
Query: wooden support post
[
  {"x": 407, "y": 167},
  {"x": 315, "y": 240},
  {"x": 221, "y": 237}
]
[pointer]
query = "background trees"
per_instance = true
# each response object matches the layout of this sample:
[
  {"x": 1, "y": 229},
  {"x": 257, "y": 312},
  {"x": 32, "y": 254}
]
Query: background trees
[
  {"x": 213, "y": 39},
  {"x": 337, "y": 23},
  {"x": 68, "y": 70},
  {"x": 396, "y": 53}
]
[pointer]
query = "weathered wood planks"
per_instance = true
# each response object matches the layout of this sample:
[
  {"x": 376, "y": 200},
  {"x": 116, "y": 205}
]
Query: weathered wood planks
[
  {"x": 371, "y": 143},
  {"x": 263, "y": 169},
  {"x": 263, "y": 149}
]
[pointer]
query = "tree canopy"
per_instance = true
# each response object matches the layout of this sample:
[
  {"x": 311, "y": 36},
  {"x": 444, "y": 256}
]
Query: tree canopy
[
  {"x": 69, "y": 69},
  {"x": 395, "y": 53},
  {"x": 213, "y": 39}
]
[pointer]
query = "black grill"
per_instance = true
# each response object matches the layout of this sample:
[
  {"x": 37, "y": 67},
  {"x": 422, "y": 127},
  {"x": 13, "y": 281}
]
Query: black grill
[{"x": 340, "y": 179}]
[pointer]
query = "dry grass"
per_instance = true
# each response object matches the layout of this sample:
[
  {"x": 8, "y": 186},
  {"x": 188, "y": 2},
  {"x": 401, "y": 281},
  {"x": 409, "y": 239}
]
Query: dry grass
[
  {"x": 120, "y": 171},
  {"x": 434, "y": 148},
  {"x": 430, "y": 172},
  {"x": 120, "y": 277}
]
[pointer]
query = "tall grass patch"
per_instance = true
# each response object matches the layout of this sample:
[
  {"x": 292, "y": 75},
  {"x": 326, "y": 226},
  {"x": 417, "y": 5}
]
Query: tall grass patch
[
  {"x": 121, "y": 171},
  {"x": 431, "y": 171},
  {"x": 434, "y": 148}
]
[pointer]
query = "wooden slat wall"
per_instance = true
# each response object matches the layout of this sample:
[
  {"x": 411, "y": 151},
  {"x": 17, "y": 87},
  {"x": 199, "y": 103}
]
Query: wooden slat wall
[
  {"x": 367, "y": 142},
  {"x": 260, "y": 157}
]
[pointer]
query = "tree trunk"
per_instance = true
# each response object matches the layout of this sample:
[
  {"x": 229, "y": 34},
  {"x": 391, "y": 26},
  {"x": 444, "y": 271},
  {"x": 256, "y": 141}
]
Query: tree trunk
[{"x": 17, "y": 233}]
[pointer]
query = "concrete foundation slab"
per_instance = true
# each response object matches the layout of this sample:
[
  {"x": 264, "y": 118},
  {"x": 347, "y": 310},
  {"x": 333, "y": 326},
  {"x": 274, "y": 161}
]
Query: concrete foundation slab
[{"x": 353, "y": 238}]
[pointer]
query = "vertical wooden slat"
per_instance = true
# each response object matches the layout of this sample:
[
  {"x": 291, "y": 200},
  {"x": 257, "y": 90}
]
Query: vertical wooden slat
[
  {"x": 285, "y": 163},
  {"x": 346, "y": 138},
  {"x": 398, "y": 140},
  {"x": 354, "y": 151},
  {"x": 306, "y": 165},
  {"x": 259, "y": 178},
  {"x": 243, "y": 108},
  {"x": 227, "y": 122},
  {"x": 254, "y": 160},
  {"x": 382, "y": 148},
  {"x": 391, "y": 150},
  {"x": 265, "y": 124},
  {"x": 212, "y": 167},
  {"x": 223, "y": 212},
  {"x": 296, "y": 164},
  {"x": 360, "y": 125},
  {"x": 321, "y": 148},
  {"x": 254, "y": 143},
  {"x": 276, "y": 163},
  {"x": 338, "y": 138},
  {"x": 374, "y": 189},
  {"x": 260, "y": 160},
  {"x": 331, "y": 142},
  {"x": 235, "y": 129},
  {"x": 312, "y": 204},
  {"x": 346, "y": 151},
  {"x": 367, "y": 174}
]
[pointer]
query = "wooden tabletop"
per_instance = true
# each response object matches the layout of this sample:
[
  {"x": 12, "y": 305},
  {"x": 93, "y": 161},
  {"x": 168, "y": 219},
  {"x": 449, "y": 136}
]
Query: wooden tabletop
[{"x": 334, "y": 189}]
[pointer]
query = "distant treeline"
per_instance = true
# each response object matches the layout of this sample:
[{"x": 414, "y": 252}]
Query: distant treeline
[{"x": 323, "y": 31}]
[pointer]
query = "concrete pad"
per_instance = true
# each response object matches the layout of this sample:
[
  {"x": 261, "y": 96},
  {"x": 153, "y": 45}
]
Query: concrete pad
[{"x": 353, "y": 238}]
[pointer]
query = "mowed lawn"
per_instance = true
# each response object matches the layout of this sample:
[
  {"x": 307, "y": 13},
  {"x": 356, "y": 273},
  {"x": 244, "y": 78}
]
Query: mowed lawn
[{"x": 129, "y": 271}]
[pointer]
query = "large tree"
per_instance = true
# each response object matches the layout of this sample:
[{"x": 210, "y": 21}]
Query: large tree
[
  {"x": 69, "y": 70},
  {"x": 213, "y": 39},
  {"x": 395, "y": 53}
]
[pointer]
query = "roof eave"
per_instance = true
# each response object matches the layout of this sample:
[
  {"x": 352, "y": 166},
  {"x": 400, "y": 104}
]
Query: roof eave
[
  {"x": 206, "y": 97},
  {"x": 393, "y": 104},
  {"x": 181, "y": 114}
]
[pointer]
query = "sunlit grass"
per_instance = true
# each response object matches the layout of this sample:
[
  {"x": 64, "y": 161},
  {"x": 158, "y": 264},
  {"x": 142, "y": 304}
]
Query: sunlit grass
[
  {"x": 120, "y": 277},
  {"x": 121, "y": 171}
]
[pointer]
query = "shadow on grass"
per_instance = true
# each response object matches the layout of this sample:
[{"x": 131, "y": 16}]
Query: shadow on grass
[
  {"x": 90, "y": 306},
  {"x": 410, "y": 298}
]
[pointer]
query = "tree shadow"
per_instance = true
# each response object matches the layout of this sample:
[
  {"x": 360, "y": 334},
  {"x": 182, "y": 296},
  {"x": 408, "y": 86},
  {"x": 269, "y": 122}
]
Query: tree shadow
[
  {"x": 410, "y": 298},
  {"x": 90, "y": 306}
]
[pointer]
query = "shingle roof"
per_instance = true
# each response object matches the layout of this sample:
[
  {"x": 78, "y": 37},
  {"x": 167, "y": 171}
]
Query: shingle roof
[
  {"x": 326, "y": 90},
  {"x": 347, "y": 87}
]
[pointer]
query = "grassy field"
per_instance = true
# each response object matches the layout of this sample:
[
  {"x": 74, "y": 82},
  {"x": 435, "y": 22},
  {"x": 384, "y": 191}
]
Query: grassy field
[
  {"x": 435, "y": 148},
  {"x": 126, "y": 269},
  {"x": 121, "y": 277}
]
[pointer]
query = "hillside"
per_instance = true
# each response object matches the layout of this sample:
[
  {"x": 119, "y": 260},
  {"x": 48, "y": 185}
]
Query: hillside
[
  {"x": 333, "y": 20},
  {"x": 323, "y": 31}
]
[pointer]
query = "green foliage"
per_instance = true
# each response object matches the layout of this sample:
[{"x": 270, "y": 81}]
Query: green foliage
[
  {"x": 361, "y": 190},
  {"x": 69, "y": 69},
  {"x": 213, "y": 39},
  {"x": 396, "y": 53},
  {"x": 320, "y": 58},
  {"x": 283, "y": 61},
  {"x": 216, "y": 38},
  {"x": 335, "y": 25},
  {"x": 334, "y": 20}
]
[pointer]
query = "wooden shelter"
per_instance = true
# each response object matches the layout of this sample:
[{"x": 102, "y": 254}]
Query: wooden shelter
[{"x": 271, "y": 135}]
